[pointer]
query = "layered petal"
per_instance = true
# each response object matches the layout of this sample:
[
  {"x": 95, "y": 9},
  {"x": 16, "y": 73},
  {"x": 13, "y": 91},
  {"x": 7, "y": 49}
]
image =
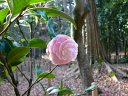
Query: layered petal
[{"x": 62, "y": 50}]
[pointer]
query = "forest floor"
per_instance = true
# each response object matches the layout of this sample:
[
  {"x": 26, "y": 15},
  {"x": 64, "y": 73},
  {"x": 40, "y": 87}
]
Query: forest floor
[{"x": 71, "y": 78}]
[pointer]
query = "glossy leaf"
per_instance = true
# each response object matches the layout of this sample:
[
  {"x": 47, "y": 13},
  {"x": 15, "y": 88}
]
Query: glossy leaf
[
  {"x": 91, "y": 87},
  {"x": 37, "y": 43},
  {"x": 17, "y": 62},
  {"x": 53, "y": 12},
  {"x": 46, "y": 75},
  {"x": 65, "y": 91},
  {"x": 13, "y": 69},
  {"x": 51, "y": 88},
  {"x": 3, "y": 14},
  {"x": 54, "y": 91},
  {"x": 16, "y": 6},
  {"x": 43, "y": 14},
  {"x": 17, "y": 53},
  {"x": 10, "y": 5},
  {"x": 5, "y": 46},
  {"x": 37, "y": 1},
  {"x": 61, "y": 84},
  {"x": 38, "y": 70}
]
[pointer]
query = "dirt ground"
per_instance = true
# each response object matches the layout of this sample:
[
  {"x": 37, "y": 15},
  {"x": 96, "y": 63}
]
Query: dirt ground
[{"x": 71, "y": 79}]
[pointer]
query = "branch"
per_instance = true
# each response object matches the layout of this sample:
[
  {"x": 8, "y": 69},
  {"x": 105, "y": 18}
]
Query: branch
[
  {"x": 9, "y": 69},
  {"x": 21, "y": 31},
  {"x": 39, "y": 79},
  {"x": 22, "y": 74},
  {"x": 30, "y": 83},
  {"x": 10, "y": 82},
  {"x": 29, "y": 80},
  {"x": 6, "y": 28}
]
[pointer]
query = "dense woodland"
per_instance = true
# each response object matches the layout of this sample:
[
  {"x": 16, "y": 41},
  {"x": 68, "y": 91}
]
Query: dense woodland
[{"x": 99, "y": 27}]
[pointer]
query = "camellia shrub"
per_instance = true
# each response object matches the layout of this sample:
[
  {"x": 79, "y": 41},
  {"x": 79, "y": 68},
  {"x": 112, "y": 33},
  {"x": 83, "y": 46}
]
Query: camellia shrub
[{"x": 61, "y": 49}]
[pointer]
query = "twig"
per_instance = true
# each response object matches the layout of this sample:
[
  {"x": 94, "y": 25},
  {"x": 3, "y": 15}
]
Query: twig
[
  {"x": 30, "y": 83},
  {"x": 45, "y": 92},
  {"x": 21, "y": 31},
  {"x": 6, "y": 28},
  {"x": 10, "y": 82},
  {"x": 39, "y": 79},
  {"x": 22, "y": 73},
  {"x": 31, "y": 63}
]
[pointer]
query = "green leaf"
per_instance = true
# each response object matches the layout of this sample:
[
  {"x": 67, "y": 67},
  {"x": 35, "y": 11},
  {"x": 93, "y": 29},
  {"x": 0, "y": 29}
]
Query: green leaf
[
  {"x": 2, "y": 1},
  {"x": 17, "y": 62},
  {"x": 61, "y": 84},
  {"x": 3, "y": 14},
  {"x": 22, "y": 40},
  {"x": 17, "y": 6},
  {"x": 17, "y": 53},
  {"x": 43, "y": 14},
  {"x": 1, "y": 62},
  {"x": 112, "y": 73},
  {"x": 37, "y": 1},
  {"x": 53, "y": 12},
  {"x": 5, "y": 46},
  {"x": 65, "y": 91},
  {"x": 100, "y": 61},
  {"x": 91, "y": 87},
  {"x": 51, "y": 88},
  {"x": 37, "y": 43},
  {"x": 54, "y": 91},
  {"x": 46, "y": 75},
  {"x": 50, "y": 28},
  {"x": 2, "y": 59},
  {"x": 13, "y": 69},
  {"x": 38, "y": 70},
  {"x": 10, "y": 5}
]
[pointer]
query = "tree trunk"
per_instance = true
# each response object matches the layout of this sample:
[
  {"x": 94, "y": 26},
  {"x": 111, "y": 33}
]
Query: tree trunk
[
  {"x": 80, "y": 12},
  {"x": 95, "y": 48},
  {"x": 65, "y": 6}
]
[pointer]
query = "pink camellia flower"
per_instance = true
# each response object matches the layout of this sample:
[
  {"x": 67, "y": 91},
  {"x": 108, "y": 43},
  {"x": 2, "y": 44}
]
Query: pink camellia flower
[{"x": 62, "y": 49}]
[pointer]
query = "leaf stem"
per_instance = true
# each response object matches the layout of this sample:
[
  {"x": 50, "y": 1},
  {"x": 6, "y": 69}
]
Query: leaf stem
[
  {"x": 22, "y": 74},
  {"x": 39, "y": 79}
]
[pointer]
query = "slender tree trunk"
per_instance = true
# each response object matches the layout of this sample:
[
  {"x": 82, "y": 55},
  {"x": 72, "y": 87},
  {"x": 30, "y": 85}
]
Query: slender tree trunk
[
  {"x": 31, "y": 62},
  {"x": 95, "y": 47},
  {"x": 80, "y": 13},
  {"x": 65, "y": 6},
  {"x": 70, "y": 7},
  {"x": 109, "y": 45},
  {"x": 125, "y": 49}
]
